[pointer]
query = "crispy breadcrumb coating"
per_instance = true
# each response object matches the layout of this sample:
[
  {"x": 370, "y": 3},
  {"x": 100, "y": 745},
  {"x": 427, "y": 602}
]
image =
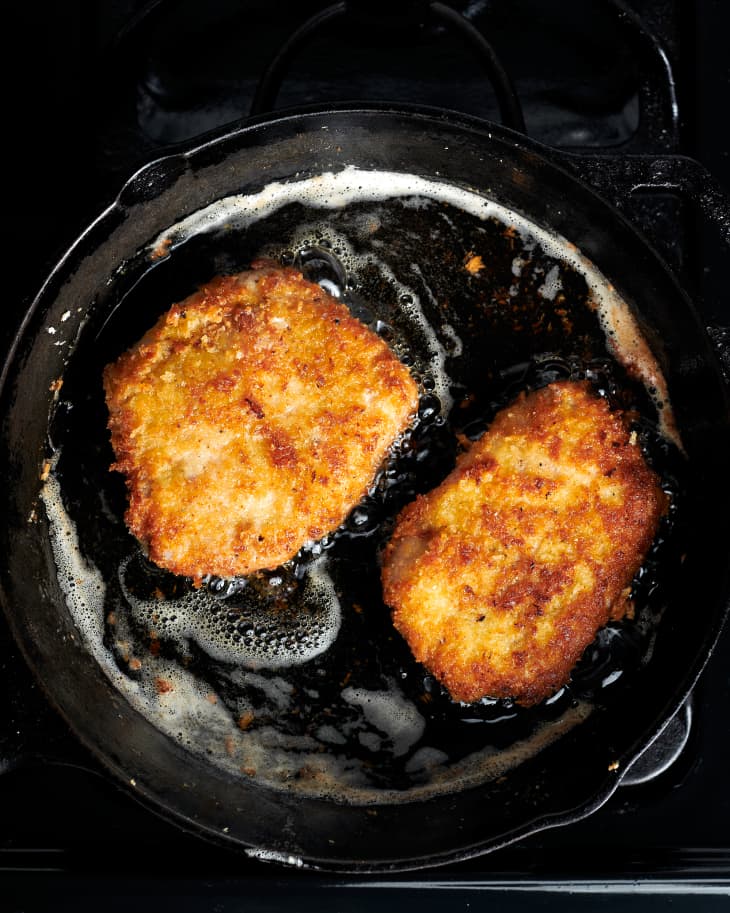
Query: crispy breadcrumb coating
[
  {"x": 250, "y": 420},
  {"x": 501, "y": 577}
]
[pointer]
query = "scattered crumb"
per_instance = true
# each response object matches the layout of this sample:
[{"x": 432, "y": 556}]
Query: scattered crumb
[
  {"x": 245, "y": 720},
  {"x": 473, "y": 263}
]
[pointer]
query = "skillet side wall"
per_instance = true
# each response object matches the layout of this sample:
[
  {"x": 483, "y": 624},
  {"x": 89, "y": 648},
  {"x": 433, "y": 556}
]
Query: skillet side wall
[{"x": 550, "y": 789}]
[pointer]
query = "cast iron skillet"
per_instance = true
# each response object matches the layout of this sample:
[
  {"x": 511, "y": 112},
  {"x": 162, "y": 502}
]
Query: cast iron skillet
[{"x": 91, "y": 306}]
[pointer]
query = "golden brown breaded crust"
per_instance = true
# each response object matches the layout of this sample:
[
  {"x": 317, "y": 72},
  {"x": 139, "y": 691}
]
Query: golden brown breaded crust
[
  {"x": 249, "y": 420},
  {"x": 501, "y": 577}
]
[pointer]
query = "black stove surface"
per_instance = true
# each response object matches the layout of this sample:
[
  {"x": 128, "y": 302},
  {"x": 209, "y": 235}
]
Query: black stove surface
[{"x": 103, "y": 88}]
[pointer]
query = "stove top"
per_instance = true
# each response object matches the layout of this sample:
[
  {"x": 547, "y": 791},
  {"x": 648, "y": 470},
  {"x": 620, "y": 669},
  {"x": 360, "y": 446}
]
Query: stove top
[{"x": 107, "y": 87}]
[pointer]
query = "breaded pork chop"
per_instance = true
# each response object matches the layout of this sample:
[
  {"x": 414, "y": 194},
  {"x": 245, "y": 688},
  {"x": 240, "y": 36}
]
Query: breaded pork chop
[
  {"x": 501, "y": 577},
  {"x": 250, "y": 420}
]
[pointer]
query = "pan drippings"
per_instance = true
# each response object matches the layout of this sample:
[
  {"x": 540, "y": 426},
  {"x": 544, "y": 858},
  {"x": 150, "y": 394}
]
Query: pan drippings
[{"x": 295, "y": 677}]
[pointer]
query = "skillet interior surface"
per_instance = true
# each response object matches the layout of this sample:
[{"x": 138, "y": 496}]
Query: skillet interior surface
[{"x": 354, "y": 758}]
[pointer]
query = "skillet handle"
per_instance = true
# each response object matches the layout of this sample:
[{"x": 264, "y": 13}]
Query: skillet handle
[
  {"x": 663, "y": 751},
  {"x": 616, "y": 177}
]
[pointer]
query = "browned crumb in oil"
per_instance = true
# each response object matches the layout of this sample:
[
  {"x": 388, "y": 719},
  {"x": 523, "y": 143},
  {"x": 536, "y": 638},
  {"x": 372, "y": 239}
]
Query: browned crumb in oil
[
  {"x": 245, "y": 720},
  {"x": 309, "y": 773},
  {"x": 162, "y": 249},
  {"x": 473, "y": 263}
]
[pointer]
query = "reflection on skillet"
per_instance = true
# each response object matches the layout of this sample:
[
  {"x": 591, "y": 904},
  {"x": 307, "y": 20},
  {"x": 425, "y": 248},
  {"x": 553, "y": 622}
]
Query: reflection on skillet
[{"x": 296, "y": 677}]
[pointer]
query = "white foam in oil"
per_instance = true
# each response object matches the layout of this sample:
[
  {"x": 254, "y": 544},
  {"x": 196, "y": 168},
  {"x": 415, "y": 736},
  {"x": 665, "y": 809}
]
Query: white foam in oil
[
  {"x": 260, "y": 639},
  {"x": 394, "y": 717},
  {"x": 163, "y": 691},
  {"x": 81, "y": 582}
]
